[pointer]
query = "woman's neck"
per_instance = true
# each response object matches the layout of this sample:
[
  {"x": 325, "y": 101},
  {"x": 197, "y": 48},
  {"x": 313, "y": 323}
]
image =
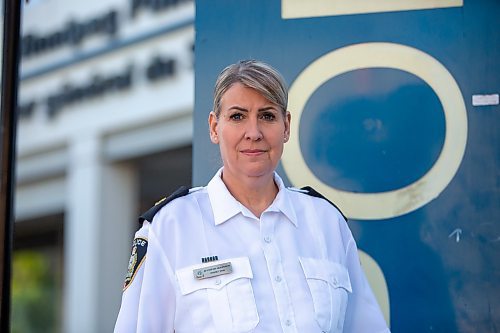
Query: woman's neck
[{"x": 255, "y": 193}]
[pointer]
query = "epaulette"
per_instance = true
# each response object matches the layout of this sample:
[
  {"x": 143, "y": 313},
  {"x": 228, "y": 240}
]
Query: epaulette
[
  {"x": 312, "y": 192},
  {"x": 148, "y": 216}
]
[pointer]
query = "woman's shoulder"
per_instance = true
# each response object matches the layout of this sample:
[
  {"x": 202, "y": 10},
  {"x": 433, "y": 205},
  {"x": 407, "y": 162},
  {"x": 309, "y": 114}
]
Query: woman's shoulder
[
  {"x": 181, "y": 196},
  {"x": 315, "y": 199}
]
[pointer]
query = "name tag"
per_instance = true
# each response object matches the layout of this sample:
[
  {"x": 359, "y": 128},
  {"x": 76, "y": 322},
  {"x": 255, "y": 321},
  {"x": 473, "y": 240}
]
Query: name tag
[{"x": 211, "y": 271}]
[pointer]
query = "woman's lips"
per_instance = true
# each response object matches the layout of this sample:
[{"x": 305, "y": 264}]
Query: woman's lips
[{"x": 253, "y": 152}]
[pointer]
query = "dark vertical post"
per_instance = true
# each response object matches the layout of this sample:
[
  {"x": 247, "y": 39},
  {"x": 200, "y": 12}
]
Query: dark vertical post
[{"x": 10, "y": 62}]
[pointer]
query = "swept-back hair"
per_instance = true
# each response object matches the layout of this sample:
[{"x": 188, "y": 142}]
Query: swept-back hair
[{"x": 252, "y": 74}]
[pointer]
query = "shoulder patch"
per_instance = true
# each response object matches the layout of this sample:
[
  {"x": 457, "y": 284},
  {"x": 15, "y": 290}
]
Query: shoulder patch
[
  {"x": 139, "y": 249},
  {"x": 312, "y": 192},
  {"x": 148, "y": 216}
]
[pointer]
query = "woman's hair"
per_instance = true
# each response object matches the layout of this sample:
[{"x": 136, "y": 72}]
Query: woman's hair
[{"x": 252, "y": 74}]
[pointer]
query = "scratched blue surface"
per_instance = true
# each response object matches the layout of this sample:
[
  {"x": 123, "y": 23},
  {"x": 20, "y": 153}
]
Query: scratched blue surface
[
  {"x": 442, "y": 261},
  {"x": 366, "y": 124}
]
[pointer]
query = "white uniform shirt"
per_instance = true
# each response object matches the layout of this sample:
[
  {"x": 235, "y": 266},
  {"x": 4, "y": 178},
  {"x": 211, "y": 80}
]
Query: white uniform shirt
[{"x": 294, "y": 269}]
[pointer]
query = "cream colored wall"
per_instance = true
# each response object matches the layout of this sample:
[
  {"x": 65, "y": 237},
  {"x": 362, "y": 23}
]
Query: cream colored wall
[{"x": 76, "y": 161}]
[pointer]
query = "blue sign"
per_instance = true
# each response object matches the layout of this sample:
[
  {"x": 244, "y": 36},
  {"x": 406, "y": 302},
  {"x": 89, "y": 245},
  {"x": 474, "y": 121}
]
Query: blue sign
[{"x": 395, "y": 118}]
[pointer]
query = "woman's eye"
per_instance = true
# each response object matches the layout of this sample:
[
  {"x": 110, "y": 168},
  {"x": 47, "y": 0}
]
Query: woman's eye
[
  {"x": 268, "y": 116},
  {"x": 236, "y": 116}
]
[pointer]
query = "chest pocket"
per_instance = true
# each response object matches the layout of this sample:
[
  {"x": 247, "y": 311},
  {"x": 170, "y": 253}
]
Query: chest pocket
[
  {"x": 330, "y": 286},
  {"x": 230, "y": 296}
]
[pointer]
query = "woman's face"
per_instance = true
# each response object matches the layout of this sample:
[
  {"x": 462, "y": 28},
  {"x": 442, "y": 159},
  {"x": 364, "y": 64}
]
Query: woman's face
[{"x": 250, "y": 132}]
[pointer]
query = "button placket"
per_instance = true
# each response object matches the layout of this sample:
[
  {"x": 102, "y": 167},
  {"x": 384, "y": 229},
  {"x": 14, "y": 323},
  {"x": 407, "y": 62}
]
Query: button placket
[{"x": 275, "y": 269}]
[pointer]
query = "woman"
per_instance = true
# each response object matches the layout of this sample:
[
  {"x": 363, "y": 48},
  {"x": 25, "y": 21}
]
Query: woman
[{"x": 244, "y": 253}]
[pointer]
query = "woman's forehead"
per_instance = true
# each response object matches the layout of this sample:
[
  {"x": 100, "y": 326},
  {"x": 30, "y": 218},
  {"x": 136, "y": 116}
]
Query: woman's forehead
[{"x": 239, "y": 93}]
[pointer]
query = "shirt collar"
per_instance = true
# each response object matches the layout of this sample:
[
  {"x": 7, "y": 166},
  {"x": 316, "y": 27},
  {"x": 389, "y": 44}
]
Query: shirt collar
[
  {"x": 225, "y": 206},
  {"x": 283, "y": 202}
]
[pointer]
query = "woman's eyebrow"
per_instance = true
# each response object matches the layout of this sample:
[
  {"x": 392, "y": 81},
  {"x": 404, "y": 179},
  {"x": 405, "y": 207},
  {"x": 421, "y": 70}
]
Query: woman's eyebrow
[
  {"x": 239, "y": 108},
  {"x": 242, "y": 109},
  {"x": 267, "y": 108}
]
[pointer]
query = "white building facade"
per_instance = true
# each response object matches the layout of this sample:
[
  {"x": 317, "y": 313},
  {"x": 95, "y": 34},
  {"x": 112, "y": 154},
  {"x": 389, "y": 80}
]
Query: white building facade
[{"x": 105, "y": 128}]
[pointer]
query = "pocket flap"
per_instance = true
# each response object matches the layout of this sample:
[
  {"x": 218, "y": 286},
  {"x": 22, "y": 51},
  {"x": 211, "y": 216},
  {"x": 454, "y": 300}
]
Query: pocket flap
[
  {"x": 188, "y": 283},
  {"x": 333, "y": 273}
]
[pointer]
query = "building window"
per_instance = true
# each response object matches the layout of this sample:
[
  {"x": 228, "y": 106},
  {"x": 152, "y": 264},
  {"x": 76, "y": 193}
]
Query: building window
[{"x": 37, "y": 275}]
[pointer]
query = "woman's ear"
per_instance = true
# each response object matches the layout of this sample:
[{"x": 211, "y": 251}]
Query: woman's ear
[
  {"x": 212, "y": 127},
  {"x": 288, "y": 119}
]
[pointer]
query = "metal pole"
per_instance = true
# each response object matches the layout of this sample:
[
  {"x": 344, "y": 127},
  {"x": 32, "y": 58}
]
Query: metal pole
[{"x": 8, "y": 122}]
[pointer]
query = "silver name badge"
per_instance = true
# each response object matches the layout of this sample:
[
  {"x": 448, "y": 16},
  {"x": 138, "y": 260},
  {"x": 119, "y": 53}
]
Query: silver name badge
[{"x": 211, "y": 271}]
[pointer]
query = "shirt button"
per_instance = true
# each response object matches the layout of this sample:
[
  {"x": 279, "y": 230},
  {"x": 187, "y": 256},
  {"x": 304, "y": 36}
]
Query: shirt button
[
  {"x": 288, "y": 322},
  {"x": 278, "y": 278},
  {"x": 335, "y": 282},
  {"x": 267, "y": 239},
  {"x": 218, "y": 282}
]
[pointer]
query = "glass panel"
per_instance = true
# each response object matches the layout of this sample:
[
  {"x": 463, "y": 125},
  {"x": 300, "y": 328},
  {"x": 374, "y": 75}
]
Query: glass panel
[
  {"x": 37, "y": 273},
  {"x": 35, "y": 291}
]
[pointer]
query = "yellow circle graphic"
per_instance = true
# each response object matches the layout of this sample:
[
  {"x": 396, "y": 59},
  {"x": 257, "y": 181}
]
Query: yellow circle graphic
[{"x": 381, "y": 205}]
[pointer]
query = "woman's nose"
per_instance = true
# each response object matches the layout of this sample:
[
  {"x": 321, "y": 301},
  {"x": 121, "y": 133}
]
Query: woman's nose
[{"x": 253, "y": 131}]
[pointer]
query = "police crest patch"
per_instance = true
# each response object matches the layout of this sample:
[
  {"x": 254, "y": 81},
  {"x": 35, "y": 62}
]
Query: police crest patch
[{"x": 139, "y": 248}]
